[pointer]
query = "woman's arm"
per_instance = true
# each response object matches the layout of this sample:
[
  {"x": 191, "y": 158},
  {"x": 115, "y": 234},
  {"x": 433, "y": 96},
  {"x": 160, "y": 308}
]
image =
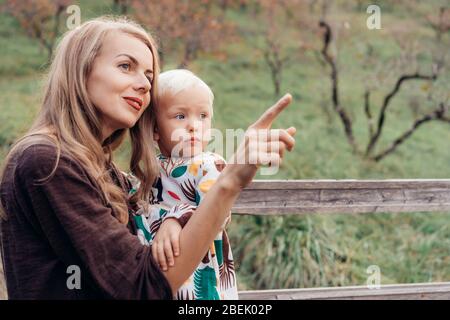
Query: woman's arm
[
  {"x": 201, "y": 229},
  {"x": 210, "y": 216}
]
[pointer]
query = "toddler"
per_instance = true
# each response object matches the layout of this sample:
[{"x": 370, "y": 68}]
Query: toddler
[{"x": 184, "y": 110}]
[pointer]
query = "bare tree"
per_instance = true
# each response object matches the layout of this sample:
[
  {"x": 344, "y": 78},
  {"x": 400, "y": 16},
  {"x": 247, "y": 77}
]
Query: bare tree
[
  {"x": 386, "y": 102},
  {"x": 40, "y": 19},
  {"x": 440, "y": 113},
  {"x": 440, "y": 23},
  {"x": 274, "y": 33},
  {"x": 121, "y": 6},
  {"x": 185, "y": 27},
  {"x": 334, "y": 76},
  {"x": 274, "y": 54}
]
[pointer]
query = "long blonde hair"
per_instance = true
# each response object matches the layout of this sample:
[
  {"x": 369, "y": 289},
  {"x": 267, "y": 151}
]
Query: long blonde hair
[{"x": 75, "y": 124}]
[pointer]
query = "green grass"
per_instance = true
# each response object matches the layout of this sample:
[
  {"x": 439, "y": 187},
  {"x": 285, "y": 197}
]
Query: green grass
[
  {"x": 324, "y": 250},
  {"x": 310, "y": 250}
]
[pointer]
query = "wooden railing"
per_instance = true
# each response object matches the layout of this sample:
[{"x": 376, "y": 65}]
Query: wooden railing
[
  {"x": 428, "y": 291},
  {"x": 271, "y": 197},
  {"x": 287, "y": 197}
]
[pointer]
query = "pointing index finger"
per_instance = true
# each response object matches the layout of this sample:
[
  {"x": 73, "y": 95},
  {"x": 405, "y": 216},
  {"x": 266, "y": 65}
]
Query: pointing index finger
[{"x": 265, "y": 121}]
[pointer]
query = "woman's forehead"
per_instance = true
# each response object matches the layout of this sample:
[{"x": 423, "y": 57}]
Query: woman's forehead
[{"x": 120, "y": 43}]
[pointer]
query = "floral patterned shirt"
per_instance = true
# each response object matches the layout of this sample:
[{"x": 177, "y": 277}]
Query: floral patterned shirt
[{"x": 176, "y": 194}]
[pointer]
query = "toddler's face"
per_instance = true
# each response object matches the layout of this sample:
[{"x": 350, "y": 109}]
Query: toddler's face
[{"x": 183, "y": 122}]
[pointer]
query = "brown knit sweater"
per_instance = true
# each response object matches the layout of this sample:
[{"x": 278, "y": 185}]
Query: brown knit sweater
[{"x": 64, "y": 222}]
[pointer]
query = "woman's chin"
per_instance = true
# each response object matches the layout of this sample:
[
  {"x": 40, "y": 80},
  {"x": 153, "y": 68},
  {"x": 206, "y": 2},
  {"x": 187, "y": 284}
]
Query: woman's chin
[
  {"x": 130, "y": 122},
  {"x": 131, "y": 125}
]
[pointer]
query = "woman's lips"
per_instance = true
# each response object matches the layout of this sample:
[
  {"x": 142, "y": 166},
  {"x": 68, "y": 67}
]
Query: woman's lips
[{"x": 136, "y": 103}]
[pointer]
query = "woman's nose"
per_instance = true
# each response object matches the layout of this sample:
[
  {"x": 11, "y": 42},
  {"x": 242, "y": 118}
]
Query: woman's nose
[{"x": 142, "y": 84}]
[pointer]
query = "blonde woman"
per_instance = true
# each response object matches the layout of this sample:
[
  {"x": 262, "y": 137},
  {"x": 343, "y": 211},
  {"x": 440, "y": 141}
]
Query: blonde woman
[{"x": 65, "y": 207}]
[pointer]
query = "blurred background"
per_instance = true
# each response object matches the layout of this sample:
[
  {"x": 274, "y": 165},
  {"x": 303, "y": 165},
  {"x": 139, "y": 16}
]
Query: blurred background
[{"x": 369, "y": 103}]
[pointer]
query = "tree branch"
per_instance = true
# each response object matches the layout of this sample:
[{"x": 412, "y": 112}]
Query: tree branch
[
  {"x": 275, "y": 60},
  {"x": 439, "y": 114},
  {"x": 368, "y": 112},
  {"x": 345, "y": 119},
  {"x": 382, "y": 115}
]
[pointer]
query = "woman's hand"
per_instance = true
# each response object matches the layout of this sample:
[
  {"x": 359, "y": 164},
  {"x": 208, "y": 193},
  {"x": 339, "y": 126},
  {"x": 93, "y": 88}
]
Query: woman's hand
[
  {"x": 262, "y": 146},
  {"x": 218, "y": 202},
  {"x": 166, "y": 243}
]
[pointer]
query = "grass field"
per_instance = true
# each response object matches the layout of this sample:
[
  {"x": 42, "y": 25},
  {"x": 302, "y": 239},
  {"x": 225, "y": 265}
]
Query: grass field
[{"x": 312, "y": 250}]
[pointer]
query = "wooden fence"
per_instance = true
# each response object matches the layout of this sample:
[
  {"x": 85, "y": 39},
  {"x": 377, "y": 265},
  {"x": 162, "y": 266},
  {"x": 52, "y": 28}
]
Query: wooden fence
[
  {"x": 286, "y": 197},
  {"x": 347, "y": 196}
]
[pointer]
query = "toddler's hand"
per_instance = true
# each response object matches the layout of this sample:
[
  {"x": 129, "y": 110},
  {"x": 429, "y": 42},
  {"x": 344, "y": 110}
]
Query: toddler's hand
[{"x": 166, "y": 243}]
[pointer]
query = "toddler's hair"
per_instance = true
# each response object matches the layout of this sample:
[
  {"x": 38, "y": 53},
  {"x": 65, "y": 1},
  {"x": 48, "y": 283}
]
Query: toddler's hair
[{"x": 177, "y": 80}]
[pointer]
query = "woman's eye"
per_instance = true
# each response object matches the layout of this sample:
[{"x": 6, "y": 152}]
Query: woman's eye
[
  {"x": 125, "y": 66},
  {"x": 179, "y": 116},
  {"x": 203, "y": 116}
]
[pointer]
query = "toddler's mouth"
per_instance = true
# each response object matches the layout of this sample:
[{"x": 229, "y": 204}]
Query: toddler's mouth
[{"x": 192, "y": 141}]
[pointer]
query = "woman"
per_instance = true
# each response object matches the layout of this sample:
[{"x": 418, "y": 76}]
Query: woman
[{"x": 65, "y": 203}]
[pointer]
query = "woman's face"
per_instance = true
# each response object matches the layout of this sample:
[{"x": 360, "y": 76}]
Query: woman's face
[{"x": 120, "y": 81}]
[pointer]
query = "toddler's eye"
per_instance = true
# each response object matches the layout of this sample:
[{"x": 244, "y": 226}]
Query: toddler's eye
[
  {"x": 125, "y": 66},
  {"x": 203, "y": 116},
  {"x": 179, "y": 116}
]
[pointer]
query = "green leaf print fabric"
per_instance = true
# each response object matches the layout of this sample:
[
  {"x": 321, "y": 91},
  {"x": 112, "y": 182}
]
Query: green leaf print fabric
[{"x": 180, "y": 189}]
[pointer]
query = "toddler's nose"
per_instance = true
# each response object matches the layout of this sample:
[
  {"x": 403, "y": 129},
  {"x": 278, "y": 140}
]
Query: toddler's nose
[{"x": 193, "y": 125}]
